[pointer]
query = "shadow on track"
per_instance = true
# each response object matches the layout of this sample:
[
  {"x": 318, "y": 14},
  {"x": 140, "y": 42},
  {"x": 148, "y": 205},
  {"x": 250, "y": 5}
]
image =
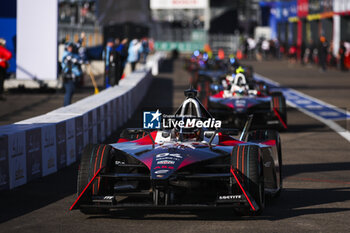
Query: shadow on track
[
  {"x": 291, "y": 203},
  {"x": 294, "y": 169},
  {"x": 38, "y": 193}
]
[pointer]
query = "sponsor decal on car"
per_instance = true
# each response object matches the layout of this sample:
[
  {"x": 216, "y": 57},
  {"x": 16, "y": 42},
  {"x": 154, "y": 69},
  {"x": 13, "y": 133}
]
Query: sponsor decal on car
[
  {"x": 161, "y": 171},
  {"x": 167, "y": 155},
  {"x": 164, "y": 167},
  {"x": 230, "y": 197},
  {"x": 240, "y": 103},
  {"x": 165, "y": 162}
]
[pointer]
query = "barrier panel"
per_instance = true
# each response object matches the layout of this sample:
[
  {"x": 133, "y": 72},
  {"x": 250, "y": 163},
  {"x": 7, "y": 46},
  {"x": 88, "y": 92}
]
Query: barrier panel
[{"x": 42, "y": 145}]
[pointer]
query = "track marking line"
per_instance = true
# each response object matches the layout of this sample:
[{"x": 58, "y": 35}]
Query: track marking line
[{"x": 326, "y": 117}]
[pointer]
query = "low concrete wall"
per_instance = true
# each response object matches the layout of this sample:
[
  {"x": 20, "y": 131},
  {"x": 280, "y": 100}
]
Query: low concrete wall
[{"x": 44, "y": 144}]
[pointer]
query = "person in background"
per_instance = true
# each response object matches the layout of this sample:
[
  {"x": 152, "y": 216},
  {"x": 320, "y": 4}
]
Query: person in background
[
  {"x": 265, "y": 48},
  {"x": 331, "y": 59},
  {"x": 311, "y": 52},
  {"x": 109, "y": 60},
  {"x": 341, "y": 56},
  {"x": 292, "y": 54},
  {"x": 133, "y": 53},
  {"x": 302, "y": 52},
  {"x": 71, "y": 72},
  {"x": 5, "y": 56},
  {"x": 322, "y": 53},
  {"x": 122, "y": 49},
  {"x": 251, "y": 48},
  {"x": 144, "y": 50}
]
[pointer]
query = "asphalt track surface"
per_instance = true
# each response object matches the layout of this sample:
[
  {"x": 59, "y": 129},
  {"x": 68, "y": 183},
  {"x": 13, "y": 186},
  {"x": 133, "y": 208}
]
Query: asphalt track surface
[{"x": 316, "y": 173}]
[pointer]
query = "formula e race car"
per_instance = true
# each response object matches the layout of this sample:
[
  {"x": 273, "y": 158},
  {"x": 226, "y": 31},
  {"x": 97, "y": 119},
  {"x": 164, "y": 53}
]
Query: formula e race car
[
  {"x": 215, "y": 70},
  {"x": 191, "y": 165},
  {"x": 234, "y": 100}
]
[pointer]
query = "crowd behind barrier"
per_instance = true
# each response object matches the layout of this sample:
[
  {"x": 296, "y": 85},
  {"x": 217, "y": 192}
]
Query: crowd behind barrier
[{"x": 42, "y": 145}]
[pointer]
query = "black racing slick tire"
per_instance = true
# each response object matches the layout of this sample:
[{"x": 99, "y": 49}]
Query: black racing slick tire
[
  {"x": 93, "y": 158},
  {"x": 279, "y": 105},
  {"x": 246, "y": 160},
  {"x": 265, "y": 135}
]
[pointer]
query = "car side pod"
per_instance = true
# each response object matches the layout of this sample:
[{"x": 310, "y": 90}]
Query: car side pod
[
  {"x": 77, "y": 201},
  {"x": 252, "y": 203}
]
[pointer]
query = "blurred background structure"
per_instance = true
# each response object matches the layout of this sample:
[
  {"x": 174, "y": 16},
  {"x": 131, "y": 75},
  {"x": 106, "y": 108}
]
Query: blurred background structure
[{"x": 184, "y": 25}]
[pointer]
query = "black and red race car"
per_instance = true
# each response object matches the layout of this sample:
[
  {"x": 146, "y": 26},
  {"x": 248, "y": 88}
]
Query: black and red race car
[
  {"x": 234, "y": 99},
  {"x": 183, "y": 167}
]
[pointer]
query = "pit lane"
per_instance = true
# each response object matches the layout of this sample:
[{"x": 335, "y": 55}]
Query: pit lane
[{"x": 316, "y": 174}]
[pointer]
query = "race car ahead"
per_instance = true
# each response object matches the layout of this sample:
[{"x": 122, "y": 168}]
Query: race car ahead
[
  {"x": 183, "y": 167},
  {"x": 234, "y": 100}
]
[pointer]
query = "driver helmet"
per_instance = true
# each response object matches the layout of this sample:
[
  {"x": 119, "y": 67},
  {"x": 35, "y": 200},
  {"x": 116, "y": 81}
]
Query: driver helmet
[
  {"x": 240, "y": 91},
  {"x": 188, "y": 132}
]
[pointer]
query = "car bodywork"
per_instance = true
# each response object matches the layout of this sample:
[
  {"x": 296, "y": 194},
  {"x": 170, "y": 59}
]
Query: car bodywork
[
  {"x": 157, "y": 169},
  {"x": 235, "y": 109},
  {"x": 233, "y": 102}
]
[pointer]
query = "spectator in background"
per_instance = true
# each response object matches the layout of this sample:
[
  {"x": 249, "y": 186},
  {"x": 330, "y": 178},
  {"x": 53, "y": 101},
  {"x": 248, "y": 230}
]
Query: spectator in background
[
  {"x": 122, "y": 49},
  {"x": 310, "y": 52},
  {"x": 245, "y": 47},
  {"x": 5, "y": 56},
  {"x": 133, "y": 53},
  {"x": 109, "y": 62},
  {"x": 341, "y": 56},
  {"x": 144, "y": 50},
  {"x": 302, "y": 52},
  {"x": 272, "y": 46},
  {"x": 70, "y": 67},
  {"x": 331, "y": 59},
  {"x": 322, "y": 53},
  {"x": 251, "y": 48},
  {"x": 292, "y": 54},
  {"x": 265, "y": 47}
]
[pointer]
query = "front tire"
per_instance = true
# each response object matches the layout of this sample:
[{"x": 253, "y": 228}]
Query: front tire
[
  {"x": 93, "y": 158},
  {"x": 247, "y": 160}
]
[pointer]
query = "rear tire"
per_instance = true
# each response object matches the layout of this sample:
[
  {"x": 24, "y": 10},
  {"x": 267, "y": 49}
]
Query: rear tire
[{"x": 246, "y": 159}]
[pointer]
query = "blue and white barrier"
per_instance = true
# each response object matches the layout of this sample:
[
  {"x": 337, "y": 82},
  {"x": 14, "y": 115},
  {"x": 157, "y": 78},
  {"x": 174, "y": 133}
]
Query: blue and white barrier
[{"x": 42, "y": 145}]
